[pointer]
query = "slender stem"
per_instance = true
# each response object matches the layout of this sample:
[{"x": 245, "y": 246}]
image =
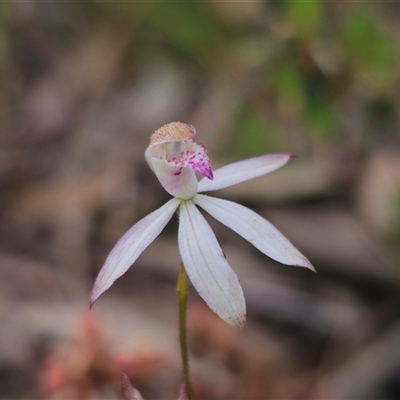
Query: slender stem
[{"x": 182, "y": 289}]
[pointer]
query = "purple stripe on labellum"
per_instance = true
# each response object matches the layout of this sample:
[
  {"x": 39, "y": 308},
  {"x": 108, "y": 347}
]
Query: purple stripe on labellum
[
  {"x": 178, "y": 172},
  {"x": 195, "y": 157}
]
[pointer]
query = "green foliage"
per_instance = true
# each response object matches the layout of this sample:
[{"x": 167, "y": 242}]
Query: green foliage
[
  {"x": 372, "y": 53},
  {"x": 305, "y": 17},
  {"x": 253, "y": 134},
  {"x": 289, "y": 62},
  {"x": 322, "y": 121},
  {"x": 5, "y": 13},
  {"x": 289, "y": 83}
]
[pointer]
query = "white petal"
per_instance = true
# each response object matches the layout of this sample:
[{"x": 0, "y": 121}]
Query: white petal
[
  {"x": 241, "y": 171},
  {"x": 251, "y": 226},
  {"x": 207, "y": 268},
  {"x": 131, "y": 245}
]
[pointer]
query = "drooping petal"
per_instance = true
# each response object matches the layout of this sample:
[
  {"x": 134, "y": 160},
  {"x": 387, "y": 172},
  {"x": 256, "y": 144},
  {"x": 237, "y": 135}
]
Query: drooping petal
[
  {"x": 251, "y": 226},
  {"x": 241, "y": 171},
  {"x": 207, "y": 268},
  {"x": 131, "y": 245},
  {"x": 183, "y": 391},
  {"x": 128, "y": 391}
]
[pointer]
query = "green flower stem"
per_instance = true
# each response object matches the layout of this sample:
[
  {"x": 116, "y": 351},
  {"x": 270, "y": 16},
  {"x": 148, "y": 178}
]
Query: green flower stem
[{"x": 182, "y": 289}]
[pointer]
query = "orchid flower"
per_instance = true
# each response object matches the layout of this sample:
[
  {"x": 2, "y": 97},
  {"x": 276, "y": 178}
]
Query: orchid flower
[{"x": 175, "y": 158}]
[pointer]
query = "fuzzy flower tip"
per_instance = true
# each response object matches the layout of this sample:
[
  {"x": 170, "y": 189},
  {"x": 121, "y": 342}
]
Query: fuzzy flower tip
[{"x": 175, "y": 158}]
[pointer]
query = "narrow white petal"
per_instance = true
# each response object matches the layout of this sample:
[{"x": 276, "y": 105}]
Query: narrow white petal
[
  {"x": 241, "y": 171},
  {"x": 207, "y": 268},
  {"x": 251, "y": 226},
  {"x": 131, "y": 245}
]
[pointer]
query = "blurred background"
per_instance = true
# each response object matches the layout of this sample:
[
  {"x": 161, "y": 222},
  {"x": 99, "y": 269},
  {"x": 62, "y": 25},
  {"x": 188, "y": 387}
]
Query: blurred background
[{"x": 83, "y": 85}]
